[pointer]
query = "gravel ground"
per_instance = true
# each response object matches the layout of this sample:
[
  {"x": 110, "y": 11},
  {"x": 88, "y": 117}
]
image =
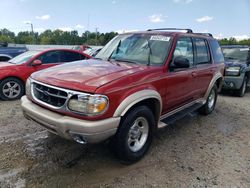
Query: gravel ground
[{"x": 197, "y": 151}]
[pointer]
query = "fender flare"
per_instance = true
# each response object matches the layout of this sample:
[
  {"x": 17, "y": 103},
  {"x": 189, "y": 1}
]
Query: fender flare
[
  {"x": 212, "y": 82},
  {"x": 135, "y": 98}
]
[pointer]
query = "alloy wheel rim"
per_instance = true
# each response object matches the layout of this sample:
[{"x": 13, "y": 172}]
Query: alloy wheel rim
[
  {"x": 211, "y": 99},
  {"x": 138, "y": 134},
  {"x": 11, "y": 89}
]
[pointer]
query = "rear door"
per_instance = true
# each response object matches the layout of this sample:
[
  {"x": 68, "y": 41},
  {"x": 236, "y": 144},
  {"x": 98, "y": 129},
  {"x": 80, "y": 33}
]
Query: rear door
[{"x": 204, "y": 71}]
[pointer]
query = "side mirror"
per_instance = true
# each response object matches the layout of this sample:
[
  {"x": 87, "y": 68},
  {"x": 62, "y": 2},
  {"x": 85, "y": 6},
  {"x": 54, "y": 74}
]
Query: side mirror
[
  {"x": 181, "y": 62},
  {"x": 36, "y": 62}
]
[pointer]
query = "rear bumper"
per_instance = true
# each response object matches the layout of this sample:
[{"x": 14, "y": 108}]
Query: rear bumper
[{"x": 68, "y": 127}]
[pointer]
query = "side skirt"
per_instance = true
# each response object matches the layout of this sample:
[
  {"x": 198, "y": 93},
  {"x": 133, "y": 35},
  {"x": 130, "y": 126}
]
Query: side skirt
[{"x": 180, "y": 112}]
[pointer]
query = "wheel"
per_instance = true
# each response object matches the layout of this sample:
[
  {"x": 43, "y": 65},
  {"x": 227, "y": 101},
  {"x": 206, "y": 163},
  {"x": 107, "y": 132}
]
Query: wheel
[
  {"x": 241, "y": 92},
  {"x": 11, "y": 89},
  {"x": 134, "y": 135},
  {"x": 209, "y": 106}
]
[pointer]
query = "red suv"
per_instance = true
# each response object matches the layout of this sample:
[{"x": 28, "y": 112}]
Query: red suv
[
  {"x": 14, "y": 73},
  {"x": 139, "y": 82}
]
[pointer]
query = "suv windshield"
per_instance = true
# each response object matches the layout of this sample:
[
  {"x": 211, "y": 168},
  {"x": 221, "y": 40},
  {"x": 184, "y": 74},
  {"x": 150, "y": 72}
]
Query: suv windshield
[
  {"x": 24, "y": 57},
  {"x": 240, "y": 54},
  {"x": 147, "y": 49}
]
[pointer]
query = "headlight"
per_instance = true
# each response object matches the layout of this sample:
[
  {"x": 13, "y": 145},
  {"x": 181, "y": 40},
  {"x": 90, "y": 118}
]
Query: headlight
[
  {"x": 232, "y": 71},
  {"x": 27, "y": 87},
  {"x": 88, "y": 104}
]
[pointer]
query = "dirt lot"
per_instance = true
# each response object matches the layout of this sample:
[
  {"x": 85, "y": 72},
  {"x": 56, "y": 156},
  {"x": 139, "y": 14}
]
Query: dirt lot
[{"x": 198, "y": 151}]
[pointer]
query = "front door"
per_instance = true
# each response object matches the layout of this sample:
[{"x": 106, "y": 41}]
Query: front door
[{"x": 180, "y": 82}]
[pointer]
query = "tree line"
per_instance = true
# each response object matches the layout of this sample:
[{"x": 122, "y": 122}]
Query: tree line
[
  {"x": 56, "y": 37},
  {"x": 60, "y": 37}
]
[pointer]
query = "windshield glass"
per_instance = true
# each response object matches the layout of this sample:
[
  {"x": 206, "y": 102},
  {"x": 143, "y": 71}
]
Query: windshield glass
[
  {"x": 147, "y": 49},
  {"x": 24, "y": 57},
  {"x": 240, "y": 54}
]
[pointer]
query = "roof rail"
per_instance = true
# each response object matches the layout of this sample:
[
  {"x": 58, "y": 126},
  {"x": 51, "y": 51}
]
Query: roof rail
[
  {"x": 174, "y": 29},
  {"x": 205, "y": 34}
]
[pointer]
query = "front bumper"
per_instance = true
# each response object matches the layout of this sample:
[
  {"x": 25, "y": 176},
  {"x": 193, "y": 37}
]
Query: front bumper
[
  {"x": 69, "y": 127},
  {"x": 233, "y": 82}
]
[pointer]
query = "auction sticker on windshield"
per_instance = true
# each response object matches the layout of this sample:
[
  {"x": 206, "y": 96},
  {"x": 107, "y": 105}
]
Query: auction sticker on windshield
[{"x": 160, "y": 38}]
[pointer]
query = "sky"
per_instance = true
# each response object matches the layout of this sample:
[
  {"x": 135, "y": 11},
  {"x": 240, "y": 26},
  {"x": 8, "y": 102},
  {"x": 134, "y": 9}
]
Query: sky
[{"x": 222, "y": 18}]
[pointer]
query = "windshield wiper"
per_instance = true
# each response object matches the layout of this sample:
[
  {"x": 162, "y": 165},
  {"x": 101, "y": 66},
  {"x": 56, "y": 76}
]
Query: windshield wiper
[
  {"x": 115, "y": 50},
  {"x": 150, "y": 53}
]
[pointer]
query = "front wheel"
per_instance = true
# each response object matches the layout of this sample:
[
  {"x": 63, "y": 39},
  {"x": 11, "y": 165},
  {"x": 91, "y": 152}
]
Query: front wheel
[
  {"x": 209, "y": 106},
  {"x": 11, "y": 89},
  {"x": 134, "y": 135}
]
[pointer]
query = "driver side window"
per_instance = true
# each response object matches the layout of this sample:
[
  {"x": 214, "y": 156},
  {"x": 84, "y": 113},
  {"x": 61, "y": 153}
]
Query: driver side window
[
  {"x": 50, "y": 57},
  {"x": 184, "y": 48}
]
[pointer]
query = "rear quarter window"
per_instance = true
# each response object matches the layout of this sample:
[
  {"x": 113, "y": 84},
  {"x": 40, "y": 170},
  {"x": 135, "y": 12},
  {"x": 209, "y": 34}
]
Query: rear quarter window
[{"x": 217, "y": 52}]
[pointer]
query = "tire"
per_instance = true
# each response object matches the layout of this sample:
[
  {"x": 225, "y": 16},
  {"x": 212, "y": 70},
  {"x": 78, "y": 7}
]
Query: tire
[
  {"x": 11, "y": 89},
  {"x": 241, "y": 92},
  {"x": 135, "y": 135},
  {"x": 209, "y": 106}
]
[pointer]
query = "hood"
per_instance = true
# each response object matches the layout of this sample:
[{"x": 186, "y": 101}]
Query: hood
[
  {"x": 85, "y": 75},
  {"x": 4, "y": 65},
  {"x": 235, "y": 63}
]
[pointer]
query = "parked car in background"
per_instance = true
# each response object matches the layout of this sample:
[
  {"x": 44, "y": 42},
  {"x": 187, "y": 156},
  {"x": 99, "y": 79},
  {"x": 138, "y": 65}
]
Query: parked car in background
[
  {"x": 8, "y": 51},
  {"x": 138, "y": 82},
  {"x": 93, "y": 51},
  {"x": 14, "y": 73},
  {"x": 237, "y": 73},
  {"x": 81, "y": 48}
]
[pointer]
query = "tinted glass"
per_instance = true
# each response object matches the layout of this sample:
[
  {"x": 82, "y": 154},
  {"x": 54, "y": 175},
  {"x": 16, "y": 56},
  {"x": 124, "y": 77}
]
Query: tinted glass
[
  {"x": 202, "y": 54},
  {"x": 67, "y": 56},
  {"x": 50, "y": 57},
  {"x": 217, "y": 52},
  {"x": 184, "y": 48}
]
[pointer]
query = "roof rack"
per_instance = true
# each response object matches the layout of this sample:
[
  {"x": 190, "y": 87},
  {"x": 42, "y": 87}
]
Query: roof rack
[
  {"x": 205, "y": 34},
  {"x": 174, "y": 29}
]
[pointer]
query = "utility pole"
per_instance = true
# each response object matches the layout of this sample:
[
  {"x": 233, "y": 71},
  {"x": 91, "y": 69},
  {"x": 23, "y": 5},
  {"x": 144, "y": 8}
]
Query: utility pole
[
  {"x": 32, "y": 31},
  {"x": 87, "y": 30},
  {"x": 96, "y": 33}
]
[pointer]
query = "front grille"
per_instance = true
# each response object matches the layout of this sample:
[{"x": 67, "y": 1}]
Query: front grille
[{"x": 49, "y": 95}]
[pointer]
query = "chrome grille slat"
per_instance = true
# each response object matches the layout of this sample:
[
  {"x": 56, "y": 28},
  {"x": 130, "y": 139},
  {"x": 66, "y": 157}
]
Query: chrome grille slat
[
  {"x": 49, "y": 95},
  {"x": 53, "y": 95}
]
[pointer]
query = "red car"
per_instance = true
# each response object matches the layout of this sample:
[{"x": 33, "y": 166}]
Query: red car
[
  {"x": 14, "y": 73},
  {"x": 138, "y": 82}
]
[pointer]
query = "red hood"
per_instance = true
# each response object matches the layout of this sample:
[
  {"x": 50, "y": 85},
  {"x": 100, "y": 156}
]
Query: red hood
[
  {"x": 4, "y": 65},
  {"x": 85, "y": 75}
]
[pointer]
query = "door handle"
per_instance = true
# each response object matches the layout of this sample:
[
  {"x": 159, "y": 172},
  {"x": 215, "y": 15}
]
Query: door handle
[{"x": 194, "y": 74}]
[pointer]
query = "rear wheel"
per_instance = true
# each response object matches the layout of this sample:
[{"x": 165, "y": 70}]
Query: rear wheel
[
  {"x": 11, "y": 89},
  {"x": 209, "y": 106},
  {"x": 241, "y": 92},
  {"x": 134, "y": 135}
]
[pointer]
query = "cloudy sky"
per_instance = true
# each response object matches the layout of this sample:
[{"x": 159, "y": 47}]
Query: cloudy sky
[{"x": 223, "y": 18}]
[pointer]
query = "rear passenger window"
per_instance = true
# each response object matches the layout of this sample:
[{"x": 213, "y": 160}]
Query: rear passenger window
[
  {"x": 217, "y": 52},
  {"x": 67, "y": 56},
  {"x": 202, "y": 52}
]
